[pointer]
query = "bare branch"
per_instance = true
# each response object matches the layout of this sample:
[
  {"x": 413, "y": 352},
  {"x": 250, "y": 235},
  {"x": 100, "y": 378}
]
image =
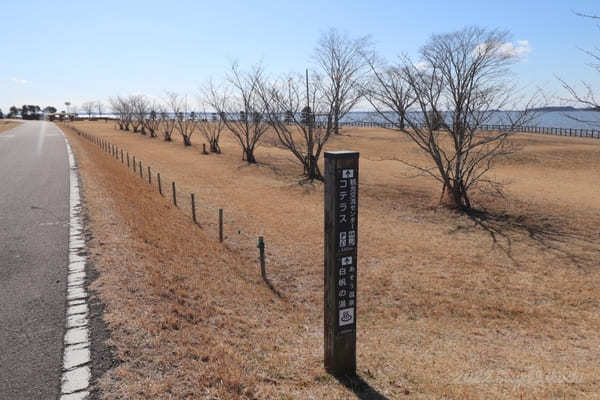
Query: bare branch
[
  {"x": 302, "y": 118},
  {"x": 340, "y": 61},
  {"x": 242, "y": 109}
]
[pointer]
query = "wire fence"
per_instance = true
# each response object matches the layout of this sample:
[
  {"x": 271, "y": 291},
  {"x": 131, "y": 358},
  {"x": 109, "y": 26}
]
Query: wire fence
[
  {"x": 574, "y": 132},
  {"x": 211, "y": 219}
]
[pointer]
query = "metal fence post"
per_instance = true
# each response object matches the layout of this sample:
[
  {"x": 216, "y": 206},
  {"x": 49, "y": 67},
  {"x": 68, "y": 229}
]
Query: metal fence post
[
  {"x": 193, "y": 208},
  {"x": 220, "y": 225},
  {"x": 174, "y": 194}
]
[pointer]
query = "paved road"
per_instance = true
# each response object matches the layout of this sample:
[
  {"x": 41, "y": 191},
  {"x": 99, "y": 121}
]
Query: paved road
[{"x": 34, "y": 216}]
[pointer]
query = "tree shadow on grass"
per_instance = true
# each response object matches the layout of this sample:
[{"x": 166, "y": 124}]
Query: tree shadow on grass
[
  {"x": 547, "y": 233},
  {"x": 360, "y": 387}
]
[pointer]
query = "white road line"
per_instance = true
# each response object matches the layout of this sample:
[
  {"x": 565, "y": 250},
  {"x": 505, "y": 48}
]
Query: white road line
[{"x": 76, "y": 358}]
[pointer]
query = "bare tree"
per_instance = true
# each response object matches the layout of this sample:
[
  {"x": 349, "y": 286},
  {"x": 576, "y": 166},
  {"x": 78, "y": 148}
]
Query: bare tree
[
  {"x": 73, "y": 113},
  {"x": 340, "y": 61},
  {"x": 168, "y": 125},
  {"x": 396, "y": 93},
  {"x": 168, "y": 113},
  {"x": 243, "y": 110},
  {"x": 122, "y": 107},
  {"x": 139, "y": 106},
  {"x": 213, "y": 128},
  {"x": 99, "y": 107},
  {"x": 301, "y": 116},
  {"x": 459, "y": 85},
  {"x": 88, "y": 108},
  {"x": 152, "y": 120},
  {"x": 586, "y": 96},
  {"x": 186, "y": 121}
]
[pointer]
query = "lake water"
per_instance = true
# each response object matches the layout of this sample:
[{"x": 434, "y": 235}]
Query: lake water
[{"x": 551, "y": 119}]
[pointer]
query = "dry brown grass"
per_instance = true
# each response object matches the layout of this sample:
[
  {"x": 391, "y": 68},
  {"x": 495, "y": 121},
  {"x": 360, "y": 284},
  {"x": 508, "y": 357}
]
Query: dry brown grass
[
  {"x": 6, "y": 125},
  {"x": 501, "y": 306}
]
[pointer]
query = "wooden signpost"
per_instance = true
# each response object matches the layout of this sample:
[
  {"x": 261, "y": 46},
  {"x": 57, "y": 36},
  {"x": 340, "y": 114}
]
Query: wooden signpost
[{"x": 341, "y": 243}]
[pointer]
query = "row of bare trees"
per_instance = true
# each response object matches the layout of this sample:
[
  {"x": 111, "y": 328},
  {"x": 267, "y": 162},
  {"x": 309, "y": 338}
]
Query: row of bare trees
[
  {"x": 172, "y": 115},
  {"x": 247, "y": 106},
  {"x": 440, "y": 101},
  {"x": 303, "y": 112}
]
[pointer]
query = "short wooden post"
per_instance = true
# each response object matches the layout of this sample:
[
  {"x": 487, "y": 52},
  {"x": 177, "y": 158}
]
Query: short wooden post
[
  {"x": 193, "y": 208},
  {"x": 204, "y": 148},
  {"x": 141, "y": 170},
  {"x": 149, "y": 176},
  {"x": 174, "y": 194},
  {"x": 159, "y": 185},
  {"x": 128, "y": 160},
  {"x": 121, "y": 156},
  {"x": 220, "y": 225},
  {"x": 261, "y": 256},
  {"x": 340, "y": 251},
  {"x": 133, "y": 163}
]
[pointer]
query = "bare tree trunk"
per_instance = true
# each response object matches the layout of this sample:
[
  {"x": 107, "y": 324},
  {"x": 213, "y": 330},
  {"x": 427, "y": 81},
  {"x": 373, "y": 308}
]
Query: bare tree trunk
[
  {"x": 336, "y": 124},
  {"x": 313, "y": 171},
  {"x": 214, "y": 146},
  {"x": 249, "y": 156}
]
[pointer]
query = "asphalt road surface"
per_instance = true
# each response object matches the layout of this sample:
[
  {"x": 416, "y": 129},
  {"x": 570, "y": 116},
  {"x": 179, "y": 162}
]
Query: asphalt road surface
[{"x": 34, "y": 228}]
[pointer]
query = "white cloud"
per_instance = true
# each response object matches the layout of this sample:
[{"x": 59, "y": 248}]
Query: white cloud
[
  {"x": 508, "y": 49},
  {"x": 20, "y": 81},
  {"x": 421, "y": 65}
]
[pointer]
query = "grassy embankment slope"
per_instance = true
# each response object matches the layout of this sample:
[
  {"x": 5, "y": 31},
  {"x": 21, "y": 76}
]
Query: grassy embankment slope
[{"x": 448, "y": 306}]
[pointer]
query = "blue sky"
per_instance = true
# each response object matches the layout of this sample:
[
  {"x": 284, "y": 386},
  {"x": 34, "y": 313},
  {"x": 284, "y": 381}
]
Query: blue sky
[{"x": 79, "y": 51}]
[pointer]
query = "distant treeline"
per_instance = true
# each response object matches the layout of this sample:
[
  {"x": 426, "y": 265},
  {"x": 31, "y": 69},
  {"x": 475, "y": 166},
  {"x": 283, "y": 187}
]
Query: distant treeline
[{"x": 35, "y": 112}]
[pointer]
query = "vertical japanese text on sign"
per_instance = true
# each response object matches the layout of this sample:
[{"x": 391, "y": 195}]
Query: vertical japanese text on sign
[{"x": 346, "y": 218}]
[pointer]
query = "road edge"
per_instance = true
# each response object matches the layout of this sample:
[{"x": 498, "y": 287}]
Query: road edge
[{"x": 76, "y": 372}]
